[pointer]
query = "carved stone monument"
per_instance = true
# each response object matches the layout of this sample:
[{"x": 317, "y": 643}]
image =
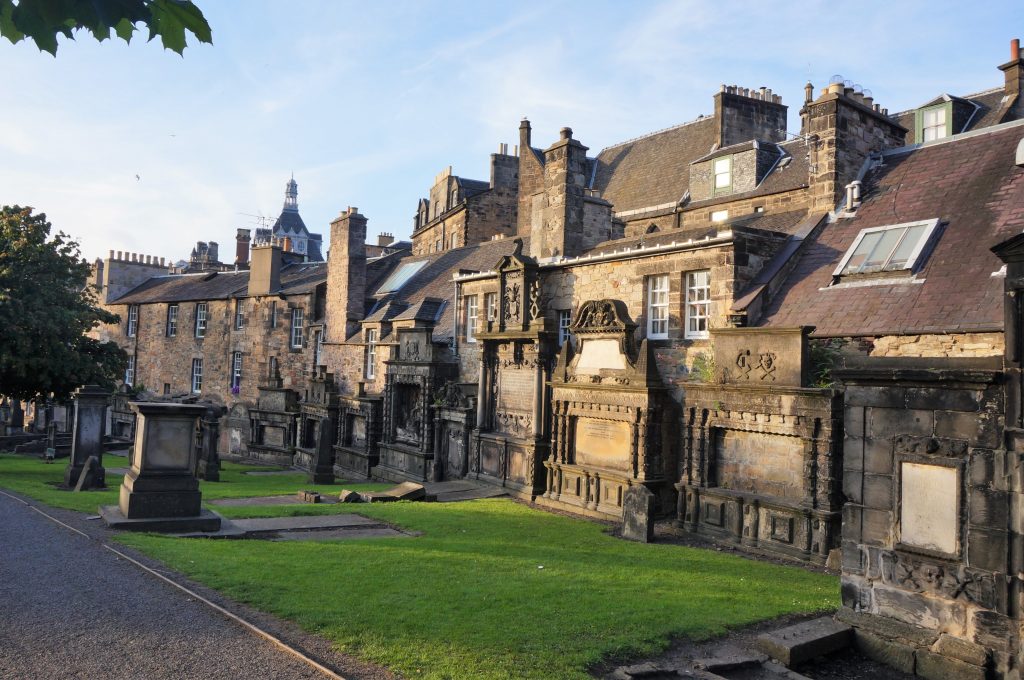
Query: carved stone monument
[
  {"x": 208, "y": 467},
  {"x": 87, "y": 435},
  {"x": 359, "y": 425},
  {"x": 610, "y": 418},
  {"x": 160, "y": 491},
  {"x": 273, "y": 423},
  {"x": 318, "y": 428}
]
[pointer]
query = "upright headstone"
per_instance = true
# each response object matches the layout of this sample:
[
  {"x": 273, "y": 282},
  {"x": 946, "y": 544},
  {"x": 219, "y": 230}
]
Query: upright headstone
[
  {"x": 638, "y": 505},
  {"x": 209, "y": 461},
  {"x": 160, "y": 491},
  {"x": 86, "y": 436},
  {"x": 322, "y": 469}
]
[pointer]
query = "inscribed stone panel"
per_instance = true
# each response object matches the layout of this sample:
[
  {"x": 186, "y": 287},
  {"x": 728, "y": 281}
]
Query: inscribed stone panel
[
  {"x": 602, "y": 443},
  {"x": 930, "y": 507},
  {"x": 515, "y": 389},
  {"x": 766, "y": 464}
]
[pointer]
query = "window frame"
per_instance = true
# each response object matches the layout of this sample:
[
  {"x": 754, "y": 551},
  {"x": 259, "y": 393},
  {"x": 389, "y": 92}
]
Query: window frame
[
  {"x": 201, "y": 319},
  {"x": 705, "y": 304},
  {"x": 471, "y": 302},
  {"x": 318, "y": 346},
  {"x": 273, "y": 314},
  {"x": 726, "y": 189},
  {"x": 171, "y": 329},
  {"x": 132, "y": 322},
  {"x": 236, "y": 370},
  {"x": 912, "y": 259},
  {"x": 919, "y": 121},
  {"x": 295, "y": 337},
  {"x": 491, "y": 306},
  {"x": 564, "y": 321},
  {"x": 129, "y": 371},
  {"x": 196, "y": 384},
  {"x": 239, "y": 314},
  {"x": 651, "y": 305},
  {"x": 370, "y": 362}
]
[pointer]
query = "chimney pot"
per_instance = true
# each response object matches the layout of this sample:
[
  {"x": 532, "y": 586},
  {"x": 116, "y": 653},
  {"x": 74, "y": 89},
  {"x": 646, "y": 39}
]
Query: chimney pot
[
  {"x": 565, "y": 133},
  {"x": 111, "y": 254},
  {"x": 1015, "y": 49},
  {"x": 161, "y": 262}
]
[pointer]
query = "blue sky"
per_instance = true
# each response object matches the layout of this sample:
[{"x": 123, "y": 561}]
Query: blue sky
[{"x": 367, "y": 102}]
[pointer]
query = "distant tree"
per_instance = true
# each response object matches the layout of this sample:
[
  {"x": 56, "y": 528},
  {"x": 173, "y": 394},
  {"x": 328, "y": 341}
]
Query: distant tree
[
  {"x": 42, "y": 20},
  {"x": 46, "y": 309}
]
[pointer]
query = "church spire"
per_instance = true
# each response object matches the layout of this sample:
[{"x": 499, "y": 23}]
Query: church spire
[{"x": 291, "y": 195}]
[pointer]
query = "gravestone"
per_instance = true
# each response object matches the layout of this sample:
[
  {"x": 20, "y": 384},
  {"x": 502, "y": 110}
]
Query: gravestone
[
  {"x": 87, "y": 480},
  {"x": 638, "y": 507},
  {"x": 321, "y": 469},
  {"x": 86, "y": 437},
  {"x": 160, "y": 491},
  {"x": 208, "y": 468}
]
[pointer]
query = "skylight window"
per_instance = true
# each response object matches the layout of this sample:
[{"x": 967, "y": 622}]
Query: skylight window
[
  {"x": 401, "y": 276},
  {"x": 885, "y": 249}
]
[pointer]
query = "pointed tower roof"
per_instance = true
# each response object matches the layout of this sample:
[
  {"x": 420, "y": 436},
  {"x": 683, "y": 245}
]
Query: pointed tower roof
[{"x": 289, "y": 223}]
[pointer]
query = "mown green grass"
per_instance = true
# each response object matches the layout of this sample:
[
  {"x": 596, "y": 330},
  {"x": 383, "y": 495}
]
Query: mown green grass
[
  {"x": 36, "y": 479},
  {"x": 493, "y": 589}
]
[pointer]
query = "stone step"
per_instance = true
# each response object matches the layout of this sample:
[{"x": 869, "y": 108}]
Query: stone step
[{"x": 804, "y": 641}]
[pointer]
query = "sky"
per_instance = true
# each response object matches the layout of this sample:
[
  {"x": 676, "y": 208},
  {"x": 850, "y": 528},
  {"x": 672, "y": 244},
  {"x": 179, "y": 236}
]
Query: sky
[{"x": 133, "y": 148}]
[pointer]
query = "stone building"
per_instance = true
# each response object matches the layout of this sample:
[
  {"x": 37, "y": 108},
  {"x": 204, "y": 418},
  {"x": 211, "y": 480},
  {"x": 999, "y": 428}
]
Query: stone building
[{"x": 673, "y": 313}]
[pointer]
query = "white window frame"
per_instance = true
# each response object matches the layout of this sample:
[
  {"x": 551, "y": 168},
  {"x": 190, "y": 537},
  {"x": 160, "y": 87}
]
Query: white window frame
[
  {"x": 201, "y": 312},
  {"x": 719, "y": 215},
  {"x": 491, "y": 306},
  {"x": 914, "y": 254},
  {"x": 133, "y": 321},
  {"x": 716, "y": 173},
  {"x": 236, "y": 370},
  {"x": 472, "y": 310},
  {"x": 298, "y": 318},
  {"x": 658, "y": 286},
  {"x": 197, "y": 375},
  {"x": 239, "y": 314},
  {"x": 318, "y": 347},
  {"x": 564, "y": 320},
  {"x": 129, "y": 371},
  {"x": 698, "y": 310},
  {"x": 941, "y": 129},
  {"x": 370, "y": 368},
  {"x": 172, "y": 321}
]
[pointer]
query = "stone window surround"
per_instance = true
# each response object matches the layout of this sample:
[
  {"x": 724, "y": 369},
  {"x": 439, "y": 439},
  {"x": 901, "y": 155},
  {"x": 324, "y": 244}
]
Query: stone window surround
[
  {"x": 491, "y": 306},
  {"x": 564, "y": 320},
  {"x": 897, "y": 516},
  {"x": 295, "y": 335},
  {"x": 132, "y": 323},
  {"x": 370, "y": 364},
  {"x": 273, "y": 314},
  {"x": 172, "y": 321},
  {"x": 239, "y": 314}
]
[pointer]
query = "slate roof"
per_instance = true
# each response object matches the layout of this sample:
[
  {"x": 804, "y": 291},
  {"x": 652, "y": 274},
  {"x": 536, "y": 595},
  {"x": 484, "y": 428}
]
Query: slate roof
[
  {"x": 296, "y": 279},
  {"x": 791, "y": 172},
  {"x": 290, "y": 222},
  {"x": 654, "y": 169},
  {"x": 433, "y": 285},
  {"x": 971, "y": 184}
]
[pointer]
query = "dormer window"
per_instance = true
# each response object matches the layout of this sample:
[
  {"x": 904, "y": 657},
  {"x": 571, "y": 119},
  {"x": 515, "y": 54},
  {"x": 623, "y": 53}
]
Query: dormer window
[
  {"x": 887, "y": 249},
  {"x": 934, "y": 122},
  {"x": 723, "y": 175}
]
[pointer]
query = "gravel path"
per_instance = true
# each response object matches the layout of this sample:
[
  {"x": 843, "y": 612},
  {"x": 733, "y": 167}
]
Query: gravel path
[{"x": 71, "y": 609}]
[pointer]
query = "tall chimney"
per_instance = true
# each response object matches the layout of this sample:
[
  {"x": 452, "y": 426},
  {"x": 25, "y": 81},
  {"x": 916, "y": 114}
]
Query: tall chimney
[
  {"x": 346, "y": 276},
  {"x": 531, "y": 179},
  {"x": 1013, "y": 71},
  {"x": 243, "y": 237},
  {"x": 558, "y": 230},
  {"x": 265, "y": 271}
]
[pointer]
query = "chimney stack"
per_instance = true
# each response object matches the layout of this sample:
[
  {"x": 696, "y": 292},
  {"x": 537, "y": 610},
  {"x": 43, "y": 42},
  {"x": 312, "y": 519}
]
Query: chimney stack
[
  {"x": 385, "y": 239},
  {"x": 346, "y": 275},
  {"x": 1013, "y": 71},
  {"x": 265, "y": 271},
  {"x": 243, "y": 237}
]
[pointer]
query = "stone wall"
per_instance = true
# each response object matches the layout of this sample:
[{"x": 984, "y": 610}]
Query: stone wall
[
  {"x": 945, "y": 345},
  {"x": 452, "y": 222},
  {"x": 927, "y": 526},
  {"x": 741, "y": 117}
]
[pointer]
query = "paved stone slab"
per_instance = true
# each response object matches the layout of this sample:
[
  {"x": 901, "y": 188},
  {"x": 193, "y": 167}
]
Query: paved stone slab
[
  {"x": 471, "y": 494},
  {"x": 730, "y": 660},
  {"x": 300, "y": 523},
  {"x": 804, "y": 641},
  {"x": 340, "y": 534},
  {"x": 270, "y": 473},
  {"x": 205, "y": 521},
  {"x": 406, "y": 491}
]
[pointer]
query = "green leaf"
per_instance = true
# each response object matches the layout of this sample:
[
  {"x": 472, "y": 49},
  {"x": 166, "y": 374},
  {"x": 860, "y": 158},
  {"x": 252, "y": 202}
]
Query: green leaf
[
  {"x": 124, "y": 30},
  {"x": 7, "y": 27},
  {"x": 170, "y": 20}
]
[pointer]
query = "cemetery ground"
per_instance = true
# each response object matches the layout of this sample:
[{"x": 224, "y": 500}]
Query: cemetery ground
[{"x": 487, "y": 588}]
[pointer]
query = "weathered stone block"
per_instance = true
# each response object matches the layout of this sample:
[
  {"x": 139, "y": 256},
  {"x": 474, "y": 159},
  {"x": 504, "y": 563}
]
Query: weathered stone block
[
  {"x": 804, "y": 641},
  {"x": 898, "y": 655},
  {"x": 878, "y": 456},
  {"x": 944, "y": 399},
  {"x": 884, "y": 397},
  {"x": 878, "y": 492},
  {"x": 919, "y": 609},
  {"x": 992, "y": 629},
  {"x": 638, "y": 508},
  {"x": 986, "y": 548},
  {"x": 886, "y": 422},
  {"x": 965, "y": 651},
  {"x": 979, "y": 429},
  {"x": 937, "y": 667}
]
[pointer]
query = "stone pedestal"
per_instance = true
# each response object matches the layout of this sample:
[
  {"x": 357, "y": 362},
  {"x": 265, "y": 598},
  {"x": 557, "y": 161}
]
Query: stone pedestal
[
  {"x": 160, "y": 491},
  {"x": 87, "y": 435},
  {"x": 209, "y": 461}
]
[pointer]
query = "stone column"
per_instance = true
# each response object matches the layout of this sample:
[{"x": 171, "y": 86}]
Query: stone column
[
  {"x": 87, "y": 435},
  {"x": 160, "y": 491}
]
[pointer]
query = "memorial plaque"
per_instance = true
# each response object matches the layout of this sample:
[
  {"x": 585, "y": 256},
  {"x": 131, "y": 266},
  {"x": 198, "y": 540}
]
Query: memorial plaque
[
  {"x": 601, "y": 354},
  {"x": 273, "y": 436},
  {"x": 603, "y": 443},
  {"x": 930, "y": 507},
  {"x": 358, "y": 432}
]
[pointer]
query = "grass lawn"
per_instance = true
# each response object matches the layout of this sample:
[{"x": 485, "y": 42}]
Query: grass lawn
[
  {"x": 491, "y": 589},
  {"x": 36, "y": 479}
]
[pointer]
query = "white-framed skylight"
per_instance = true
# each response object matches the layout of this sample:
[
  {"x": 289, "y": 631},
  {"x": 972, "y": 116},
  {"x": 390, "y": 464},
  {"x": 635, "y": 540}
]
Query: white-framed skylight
[
  {"x": 889, "y": 248},
  {"x": 401, "y": 276}
]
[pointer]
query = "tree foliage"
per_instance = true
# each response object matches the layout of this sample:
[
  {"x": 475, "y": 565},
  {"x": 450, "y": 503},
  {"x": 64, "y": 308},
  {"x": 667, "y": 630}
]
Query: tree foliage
[
  {"x": 46, "y": 310},
  {"x": 43, "y": 20}
]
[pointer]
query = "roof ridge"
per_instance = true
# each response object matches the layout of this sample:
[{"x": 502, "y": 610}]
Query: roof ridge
[
  {"x": 701, "y": 118},
  {"x": 946, "y": 94}
]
